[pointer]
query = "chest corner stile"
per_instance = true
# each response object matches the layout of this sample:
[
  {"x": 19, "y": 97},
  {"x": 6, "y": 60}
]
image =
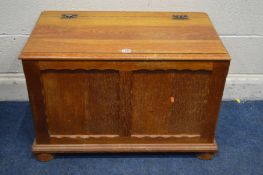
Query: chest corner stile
[{"x": 133, "y": 92}]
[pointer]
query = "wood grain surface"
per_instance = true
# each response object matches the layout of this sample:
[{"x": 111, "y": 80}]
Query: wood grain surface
[{"x": 94, "y": 35}]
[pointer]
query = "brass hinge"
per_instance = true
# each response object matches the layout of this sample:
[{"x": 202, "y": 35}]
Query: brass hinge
[
  {"x": 180, "y": 17},
  {"x": 69, "y": 16}
]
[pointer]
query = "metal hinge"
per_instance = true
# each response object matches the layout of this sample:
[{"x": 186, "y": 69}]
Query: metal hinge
[
  {"x": 180, "y": 17},
  {"x": 69, "y": 16}
]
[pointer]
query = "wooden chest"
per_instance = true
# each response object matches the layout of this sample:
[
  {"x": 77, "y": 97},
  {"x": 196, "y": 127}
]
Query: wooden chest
[{"x": 124, "y": 82}]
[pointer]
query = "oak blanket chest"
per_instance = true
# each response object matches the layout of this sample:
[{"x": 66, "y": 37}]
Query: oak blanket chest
[{"x": 124, "y": 82}]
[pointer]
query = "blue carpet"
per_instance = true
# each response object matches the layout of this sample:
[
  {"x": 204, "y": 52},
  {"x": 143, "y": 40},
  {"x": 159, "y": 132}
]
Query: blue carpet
[{"x": 239, "y": 136}]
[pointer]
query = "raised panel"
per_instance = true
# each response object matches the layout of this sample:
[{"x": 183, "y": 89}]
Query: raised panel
[
  {"x": 82, "y": 102},
  {"x": 149, "y": 106},
  {"x": 169, "y": 103}
]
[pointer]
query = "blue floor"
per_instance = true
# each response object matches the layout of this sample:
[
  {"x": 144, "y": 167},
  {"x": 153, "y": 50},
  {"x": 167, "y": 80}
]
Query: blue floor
[{"x": 240, "y": 140}]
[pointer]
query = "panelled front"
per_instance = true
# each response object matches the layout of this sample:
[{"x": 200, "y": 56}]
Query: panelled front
[
  {"x": 154, "y": 102},
  {"x": 81, "y": 102},
  {"x": 173, "y": 103}
]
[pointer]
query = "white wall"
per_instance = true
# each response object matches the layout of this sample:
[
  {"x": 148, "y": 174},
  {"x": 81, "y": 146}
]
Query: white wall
[{"x": 238, "y": 22}]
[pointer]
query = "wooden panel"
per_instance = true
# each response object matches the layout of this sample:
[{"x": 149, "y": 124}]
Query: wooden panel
[
  {"x": 36, "y": 97},
  {"x": 191, "y": 93},
  {"x": 125, "y": 102},
  {"x": 130, "y": 56},
  {"x": 70, "y": 45},
  {"x": 126, "y": 65},
  {"x": 169, "y": 102},
  {"x": 82, "y": 148},
  {"x": 218, "y": 78},
  {"x": 82, "y": 102},
  {"x": 102, "y": 139},
  {"x": 114, "y": 18},
  {"x": 125, "y": 32},
  {"x": 92, "y": 35}
]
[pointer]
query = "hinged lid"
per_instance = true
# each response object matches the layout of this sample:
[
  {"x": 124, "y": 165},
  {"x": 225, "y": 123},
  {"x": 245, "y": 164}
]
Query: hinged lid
[{"x": 124, "y": 35}]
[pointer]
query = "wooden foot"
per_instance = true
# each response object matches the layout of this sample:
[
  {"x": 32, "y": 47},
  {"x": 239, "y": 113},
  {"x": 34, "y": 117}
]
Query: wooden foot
[
  {"x": 44, "y": 157},
  {"x": 205, "y": 156}
]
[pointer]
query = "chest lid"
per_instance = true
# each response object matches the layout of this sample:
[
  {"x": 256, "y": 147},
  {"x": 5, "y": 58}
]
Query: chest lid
[{"x": 124, "y": 36}]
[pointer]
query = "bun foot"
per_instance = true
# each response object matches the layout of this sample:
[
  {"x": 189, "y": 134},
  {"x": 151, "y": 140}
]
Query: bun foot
[
  {"x": 205, "y": 156},
  {"x": 44, "y": 157}
]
